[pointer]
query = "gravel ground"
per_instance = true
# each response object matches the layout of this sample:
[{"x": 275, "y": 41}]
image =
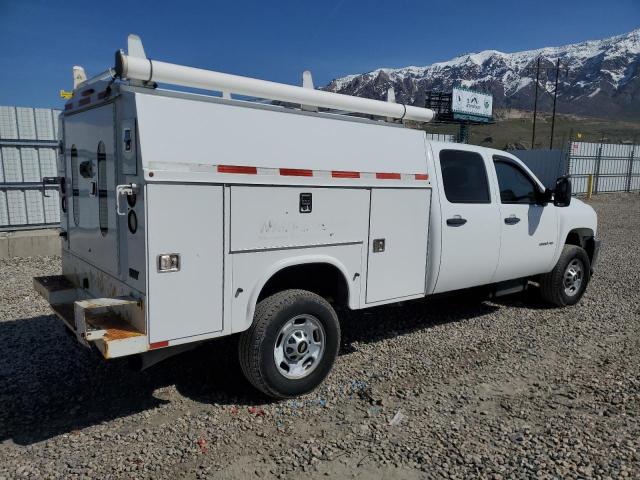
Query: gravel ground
[{"x": 505, "y": 389}]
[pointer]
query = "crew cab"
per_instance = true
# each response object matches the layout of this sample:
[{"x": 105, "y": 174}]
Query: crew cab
[{"x": 187, "y": 217}]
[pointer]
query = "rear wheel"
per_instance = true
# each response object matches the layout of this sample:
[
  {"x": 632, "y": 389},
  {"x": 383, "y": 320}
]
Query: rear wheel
[
  {"x": 566, "y": 283},
  {"x": 292, "y": 344}
]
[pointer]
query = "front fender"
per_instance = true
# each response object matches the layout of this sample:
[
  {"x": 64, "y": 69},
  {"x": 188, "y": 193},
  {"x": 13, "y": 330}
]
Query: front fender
[{"x": 577, "y": 217}]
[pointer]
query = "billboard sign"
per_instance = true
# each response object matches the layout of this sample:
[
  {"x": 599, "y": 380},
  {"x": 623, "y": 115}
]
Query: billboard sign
[{"x": 471, "y": 105}]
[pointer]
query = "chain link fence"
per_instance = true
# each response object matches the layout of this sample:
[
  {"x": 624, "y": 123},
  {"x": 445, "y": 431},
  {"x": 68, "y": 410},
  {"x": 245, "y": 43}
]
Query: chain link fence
[
  {"x": 28, "y": 152},
  {"x": 612, "y": 167}
]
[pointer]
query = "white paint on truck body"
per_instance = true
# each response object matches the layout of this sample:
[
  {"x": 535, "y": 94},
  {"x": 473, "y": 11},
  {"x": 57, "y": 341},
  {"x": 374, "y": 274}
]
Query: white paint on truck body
[
  {"x": 242, "y": 191},
  {"x": 400, "y": 220},
  {"x": 251, "y": 271},
  {"x": 202, "y": 133},
  {"x": 190, "y": 225},
  {"x": 269, "y": 217},
  {"x": 468, "y": 253},
  {"x": 92, "y": 233}
]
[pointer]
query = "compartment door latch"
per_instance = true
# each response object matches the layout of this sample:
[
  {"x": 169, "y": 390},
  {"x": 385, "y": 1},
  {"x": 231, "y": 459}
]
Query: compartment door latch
[
  {"x": 129, "y": 189},
  {"x": 306, "y": 203},
  {"x": 378, "y": 245}
]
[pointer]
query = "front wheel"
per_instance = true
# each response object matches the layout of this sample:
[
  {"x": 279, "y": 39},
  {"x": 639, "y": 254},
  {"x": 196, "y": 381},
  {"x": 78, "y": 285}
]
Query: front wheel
[
  {"x": 566, "y": 283},
  {"x": 292, "y": 344}
]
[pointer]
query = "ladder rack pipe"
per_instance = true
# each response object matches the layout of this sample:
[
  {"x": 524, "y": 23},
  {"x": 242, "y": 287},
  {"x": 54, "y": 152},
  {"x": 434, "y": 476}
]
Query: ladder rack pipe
[{"x": 147, "y": 70}]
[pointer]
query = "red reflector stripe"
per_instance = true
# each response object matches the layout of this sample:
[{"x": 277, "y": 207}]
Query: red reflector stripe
[
  {"x": 422, "y": 176},
  {"x": 237, "y": 169},
  {"x": 388, "y": 176},
  {"x": 159, "y": 344},
  {"x": 296, "y": 172},
  {"x": 68, "y": 106},
  {"x": 84, "y": 101},
  {"x": 342, "y": 174}
]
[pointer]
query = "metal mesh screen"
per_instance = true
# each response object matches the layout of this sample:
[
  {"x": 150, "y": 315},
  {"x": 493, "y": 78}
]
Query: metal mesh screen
[
  {"x": 17, "y": 207},
  {"x": 28, "y": 152},
  {"x": 44, "y": 124},
  {"x": 612, "y": 167},
  {"x": 30, "y": 165},
  {"x": 8, "y": 123},
  {"x": 11, "y": 164},
  {"x": 4, "y": 212},
  {"x": 26, "y": 123}
]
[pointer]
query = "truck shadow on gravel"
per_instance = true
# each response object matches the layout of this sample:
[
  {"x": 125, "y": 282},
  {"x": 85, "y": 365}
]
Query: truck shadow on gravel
[
  {"x": 377, "y": 324},
  {"x": 50, "y": 385}
]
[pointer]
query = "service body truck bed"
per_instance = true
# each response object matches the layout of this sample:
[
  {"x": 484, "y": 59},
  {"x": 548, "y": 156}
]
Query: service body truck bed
[{"x": 188, "y": 217}]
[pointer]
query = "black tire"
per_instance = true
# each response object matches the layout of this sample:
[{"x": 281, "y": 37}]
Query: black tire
[
  {"x": 257, "y": 344},
  {"x": 552, "y": 284}
]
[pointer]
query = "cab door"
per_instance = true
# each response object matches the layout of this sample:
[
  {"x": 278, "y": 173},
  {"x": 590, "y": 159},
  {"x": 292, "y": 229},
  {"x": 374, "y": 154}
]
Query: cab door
[
  {"x": 470, "y": 220},
  {"x": 529, "y": 231}
]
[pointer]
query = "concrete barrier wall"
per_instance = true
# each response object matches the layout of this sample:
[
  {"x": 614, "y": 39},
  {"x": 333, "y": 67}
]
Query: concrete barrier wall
[{"x": 30, "y": 243}]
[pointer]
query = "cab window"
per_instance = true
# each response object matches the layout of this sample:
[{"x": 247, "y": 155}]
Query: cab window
[
  {"x": 464, "y": 177},
  {"x": 515, "y": 185}
]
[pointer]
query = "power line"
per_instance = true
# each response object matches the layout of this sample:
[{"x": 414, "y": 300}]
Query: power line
[{"x": 537, "y": 68}]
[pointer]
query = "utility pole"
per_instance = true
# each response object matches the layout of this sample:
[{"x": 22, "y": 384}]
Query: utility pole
[
  {"x": 463, "y": 135},
  {"x": 555, "y": 67},
  {"x": 555, "y": 96},
  {"x": 535, "y": 105}
]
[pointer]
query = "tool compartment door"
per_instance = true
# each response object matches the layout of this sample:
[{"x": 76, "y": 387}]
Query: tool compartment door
[
  {"x": 398, "y": 233},
  {"x": 186, "y": 220},
  {"x": 91, "y": 202}
]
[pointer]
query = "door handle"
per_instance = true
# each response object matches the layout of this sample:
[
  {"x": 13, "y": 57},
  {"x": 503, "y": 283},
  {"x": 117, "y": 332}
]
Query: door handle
[
  {"x": 456, "y": 221},
  {"x": 511, "y": 220},
  {"x": 129, "y": 189},
  {"x": 52, "y": 181}
]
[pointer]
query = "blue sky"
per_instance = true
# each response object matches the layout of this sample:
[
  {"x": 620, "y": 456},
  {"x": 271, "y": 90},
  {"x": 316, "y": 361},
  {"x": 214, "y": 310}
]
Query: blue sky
[{"x": 276, "y": 40}]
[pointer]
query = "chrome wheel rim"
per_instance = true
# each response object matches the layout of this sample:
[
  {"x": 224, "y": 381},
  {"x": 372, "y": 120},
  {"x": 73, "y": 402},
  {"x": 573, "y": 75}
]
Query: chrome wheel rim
[
  {"x": 573, "y": 277},
  {"x": 299, "y": 346}
]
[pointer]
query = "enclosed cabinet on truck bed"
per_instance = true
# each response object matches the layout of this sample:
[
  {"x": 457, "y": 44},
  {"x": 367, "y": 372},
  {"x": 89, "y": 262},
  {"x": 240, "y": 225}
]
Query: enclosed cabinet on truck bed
[
  {"x": 187, "y": 221},
  {"x": 231, "y": 208}
]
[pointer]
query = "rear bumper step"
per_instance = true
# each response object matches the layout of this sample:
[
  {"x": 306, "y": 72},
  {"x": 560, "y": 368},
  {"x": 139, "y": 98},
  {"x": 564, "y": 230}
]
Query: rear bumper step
[{"x": 101, "y": 321}]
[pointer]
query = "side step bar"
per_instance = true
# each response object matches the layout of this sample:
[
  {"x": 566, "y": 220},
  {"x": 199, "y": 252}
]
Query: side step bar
[
  {"x": 509, "y": 287},
  {"x": 101, "y": 321}
]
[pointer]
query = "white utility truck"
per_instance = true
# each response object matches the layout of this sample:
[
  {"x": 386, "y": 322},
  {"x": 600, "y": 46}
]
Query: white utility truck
[{"x": 187, "y": 217}]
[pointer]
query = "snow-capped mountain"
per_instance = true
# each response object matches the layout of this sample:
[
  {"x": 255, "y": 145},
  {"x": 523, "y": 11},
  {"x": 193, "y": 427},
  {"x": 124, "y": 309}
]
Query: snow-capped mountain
[{"x": 599, "y": 78}]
